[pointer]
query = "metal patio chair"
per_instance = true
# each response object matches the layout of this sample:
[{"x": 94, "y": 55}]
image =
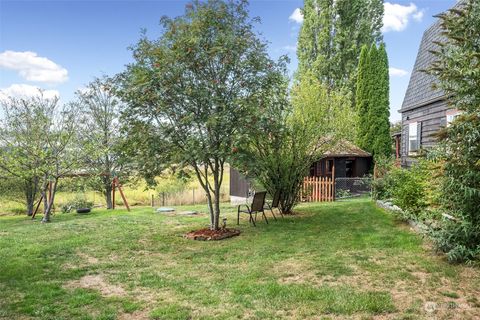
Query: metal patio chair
[
  {"x": 274, "y": 204},
  {"x": 257, "y": 206}
]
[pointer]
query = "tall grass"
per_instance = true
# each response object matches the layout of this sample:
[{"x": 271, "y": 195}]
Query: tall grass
[{"x": 169, "y": 192}]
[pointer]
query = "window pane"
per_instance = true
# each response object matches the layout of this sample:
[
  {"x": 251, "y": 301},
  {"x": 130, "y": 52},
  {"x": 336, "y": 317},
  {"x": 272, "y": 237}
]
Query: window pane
[{"x": 412, "y": 130}]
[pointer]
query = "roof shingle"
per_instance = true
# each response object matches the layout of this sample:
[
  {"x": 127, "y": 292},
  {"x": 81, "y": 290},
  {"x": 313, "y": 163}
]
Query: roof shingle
[{"x": 420, "y": 91}]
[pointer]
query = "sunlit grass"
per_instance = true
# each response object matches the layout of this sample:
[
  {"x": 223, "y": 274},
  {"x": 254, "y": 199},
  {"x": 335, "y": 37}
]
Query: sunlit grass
[{"x": 338, "y": 260}]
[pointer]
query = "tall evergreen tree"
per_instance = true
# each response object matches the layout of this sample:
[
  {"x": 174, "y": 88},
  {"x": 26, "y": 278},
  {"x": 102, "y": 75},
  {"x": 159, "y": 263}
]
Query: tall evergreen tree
[
  {"x": 362, "y": 97},
  {"x": 372, "y": 101},
  {"x": 382, "y": 145},
  {"x": 332, "y": 35}
]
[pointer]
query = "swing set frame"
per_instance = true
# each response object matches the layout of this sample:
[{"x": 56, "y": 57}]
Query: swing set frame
[{"x": 115, "y": 185}]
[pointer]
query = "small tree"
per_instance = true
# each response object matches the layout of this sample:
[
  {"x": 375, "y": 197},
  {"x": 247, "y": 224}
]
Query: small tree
[
  {"x": 36, "y": 137},
  {"x": 193, "y": 91},
  {"x": 100, "y": 134},
  {"x": 22, "y": 142},
  {"x": 292, "y": 135}
]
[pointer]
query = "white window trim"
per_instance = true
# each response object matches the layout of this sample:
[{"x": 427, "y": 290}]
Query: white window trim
[{"x": 412, "y": 127}]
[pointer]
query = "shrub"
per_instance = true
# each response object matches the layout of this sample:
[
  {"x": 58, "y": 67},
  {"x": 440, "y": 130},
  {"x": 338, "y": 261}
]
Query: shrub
[
  {"x": 77, "y": 203},
  {"x": 409, "y": 191},
  {"x": 413, "y": 189},
  {"x": 459, "y": 239}
]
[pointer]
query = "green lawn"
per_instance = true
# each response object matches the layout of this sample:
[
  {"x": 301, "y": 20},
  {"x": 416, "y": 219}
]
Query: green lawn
[{"x": 339, "y": 260}]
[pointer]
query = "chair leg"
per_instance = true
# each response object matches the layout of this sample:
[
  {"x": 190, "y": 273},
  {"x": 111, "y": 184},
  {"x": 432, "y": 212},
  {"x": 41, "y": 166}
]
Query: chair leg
[
  {"x": 252, "y": 221},
  {"x": 273, "y": 214},
  {"x": 264, "y": 216}
]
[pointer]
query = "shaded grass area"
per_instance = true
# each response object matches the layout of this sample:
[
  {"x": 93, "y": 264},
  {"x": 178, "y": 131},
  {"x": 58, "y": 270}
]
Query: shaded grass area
[{"x": 336, "y": 260}]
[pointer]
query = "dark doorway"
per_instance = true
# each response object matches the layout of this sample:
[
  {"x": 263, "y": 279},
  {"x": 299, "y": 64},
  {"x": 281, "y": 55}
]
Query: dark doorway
[{"x": 349, "y": 167}]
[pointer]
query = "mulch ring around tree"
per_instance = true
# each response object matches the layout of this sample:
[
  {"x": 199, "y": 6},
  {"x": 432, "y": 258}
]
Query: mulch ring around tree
[{"x": 207, "y": 234}]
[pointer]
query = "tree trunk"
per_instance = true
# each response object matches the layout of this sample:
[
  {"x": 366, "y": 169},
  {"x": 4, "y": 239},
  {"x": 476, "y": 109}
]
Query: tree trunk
[
  {"x": 210, "y": 209},
  {"x": 216, "y": 197},
  {"x": 108, "y": 192},
  {"x": 46, "y": 216},
  {"x": 31, "y": 188}
]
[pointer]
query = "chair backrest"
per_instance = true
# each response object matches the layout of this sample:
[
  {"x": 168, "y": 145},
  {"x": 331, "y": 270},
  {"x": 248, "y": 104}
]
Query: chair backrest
[
  {"x": 276, "y": 199},
  {"x": 258, "y": 201}
]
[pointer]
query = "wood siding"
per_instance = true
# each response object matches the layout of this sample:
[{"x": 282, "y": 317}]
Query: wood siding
[{"x": 430, "y": 118}]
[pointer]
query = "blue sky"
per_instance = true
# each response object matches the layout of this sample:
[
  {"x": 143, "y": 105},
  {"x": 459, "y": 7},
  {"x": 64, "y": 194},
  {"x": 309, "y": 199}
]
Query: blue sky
[{"x": 61, "y": 45}]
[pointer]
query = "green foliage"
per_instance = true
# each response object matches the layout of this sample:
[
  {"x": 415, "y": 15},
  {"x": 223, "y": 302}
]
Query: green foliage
[
  {"x": 292, "y": 135},
  {"x": 372, "y": 102},
  {"x": 194, "y": 91},
  {"x": 409, "y": 189},
  {"x": 413, "y": 190},
  {"x": 36, "y": 137},
  {"x": 100, "y": 138},
  {"x": 332, "y": 35},
  {"x": 78, "y": 203},
  {"x": 458, "y": 239},
  {"x": 362, "y": 98},
  {"x": 458, "y": 70}
]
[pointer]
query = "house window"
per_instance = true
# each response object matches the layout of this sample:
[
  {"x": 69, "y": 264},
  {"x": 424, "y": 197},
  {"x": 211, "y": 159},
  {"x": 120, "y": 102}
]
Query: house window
[{"x": 413, "y": 139}]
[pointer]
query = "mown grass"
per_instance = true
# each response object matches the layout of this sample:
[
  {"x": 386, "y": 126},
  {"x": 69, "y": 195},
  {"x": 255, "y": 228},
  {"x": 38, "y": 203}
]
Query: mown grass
[{"x": 338, "y": 260}]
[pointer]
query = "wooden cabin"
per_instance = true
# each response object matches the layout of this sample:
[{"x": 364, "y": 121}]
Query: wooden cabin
[
  {"x": 424, "y": 110},
  {"x": 346, "y": 159}
]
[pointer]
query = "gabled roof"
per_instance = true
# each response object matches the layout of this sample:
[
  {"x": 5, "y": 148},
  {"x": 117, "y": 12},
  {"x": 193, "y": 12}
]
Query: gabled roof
[
  {"x": 345, "y": 148},
  {"x": 420, "y": 91}
]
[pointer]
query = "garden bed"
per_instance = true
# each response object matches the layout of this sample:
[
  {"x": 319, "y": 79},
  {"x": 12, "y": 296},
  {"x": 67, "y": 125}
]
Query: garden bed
[{"x": 207, "y": 234}]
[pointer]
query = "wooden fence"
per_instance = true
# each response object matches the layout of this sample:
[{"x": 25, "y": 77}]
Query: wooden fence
[{"x": 318, "y": 189}]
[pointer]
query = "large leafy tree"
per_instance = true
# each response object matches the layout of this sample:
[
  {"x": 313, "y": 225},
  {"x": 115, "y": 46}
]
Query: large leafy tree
[
  {"x": 100, "y": 136},
  {"x": 332, "y": 35},
  {"x": 192, "y": 92},
  {"x": 458, "y": 71}
]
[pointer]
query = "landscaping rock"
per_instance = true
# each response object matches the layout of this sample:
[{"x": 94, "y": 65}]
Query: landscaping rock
[{"x": 165, "y": 210}]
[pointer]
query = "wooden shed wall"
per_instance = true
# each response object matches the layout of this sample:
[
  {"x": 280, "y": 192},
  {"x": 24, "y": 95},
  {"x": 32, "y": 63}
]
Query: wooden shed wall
[{"x": 239, "y": 185}]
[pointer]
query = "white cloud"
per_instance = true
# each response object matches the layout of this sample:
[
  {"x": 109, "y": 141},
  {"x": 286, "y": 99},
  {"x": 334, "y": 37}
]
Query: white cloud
[
  {"x": 395, "y": 72},
  {"x": 396, "y": 16},
  {"x": 296, "y": 16},
  {"x": 32, "y": 67},
  {"x": 26, "y": 90}
]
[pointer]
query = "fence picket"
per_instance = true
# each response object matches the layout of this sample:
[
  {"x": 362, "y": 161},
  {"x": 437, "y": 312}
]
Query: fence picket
[{"x": 318, "y": 189}]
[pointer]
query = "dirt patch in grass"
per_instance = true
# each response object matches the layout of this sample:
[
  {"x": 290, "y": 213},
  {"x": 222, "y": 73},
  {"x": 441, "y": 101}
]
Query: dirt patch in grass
[
  {"x": 87, "y": 258},
  {"x": 136, "y": 315},
  {"x": 207, "y": 234},
  {"x": 97, "y": 282}
]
